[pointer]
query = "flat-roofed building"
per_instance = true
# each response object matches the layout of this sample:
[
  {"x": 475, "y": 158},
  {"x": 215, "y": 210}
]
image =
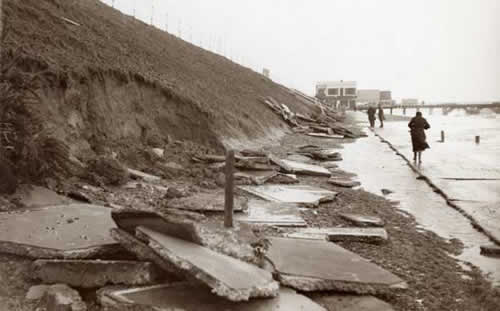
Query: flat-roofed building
[
  {"x": 368, "y": 97},
  {"x": 386, "y": 98},
  {"x": 338, "y": 94}
]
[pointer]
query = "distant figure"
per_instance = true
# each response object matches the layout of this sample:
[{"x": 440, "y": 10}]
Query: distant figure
[
  {"x": 381, "y": 116},
  {"x": 417, "y": 126},
  {"x": 371, "y": 115}
]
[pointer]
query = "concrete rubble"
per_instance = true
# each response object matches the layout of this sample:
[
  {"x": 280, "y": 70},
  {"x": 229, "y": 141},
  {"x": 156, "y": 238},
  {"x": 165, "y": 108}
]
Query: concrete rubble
[
  {"x": 228, "y": 277},
  {"x": 363, "y": 220},
  {"x": 309, "y": 265},
  {"x": 95, "y": 273},
  {"x": 364, "y": 235},
  {"x": 343, "y": 182},
  {"x": 302, "y": 194},
  {"x": 135, "y": 174},
  {"x": 206, "y": 202},
  {"x": 272, "y": 214},
  {"x": 354, "y": 303},
  {"x": 323, "y": 135},
  {"x": 72, "y": 231},
  {"x": 190, "y": 297},
  {"x": 293, "y": 167},
  {"x": 61, "y": 297}
]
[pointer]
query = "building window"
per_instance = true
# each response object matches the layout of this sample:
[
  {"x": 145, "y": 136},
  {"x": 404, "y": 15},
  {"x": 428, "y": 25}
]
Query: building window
[
  {"x": 350, "y": 91},
  {"x": 333, "y": 92}
]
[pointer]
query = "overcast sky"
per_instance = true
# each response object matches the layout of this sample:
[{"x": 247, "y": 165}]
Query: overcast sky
[{"x": 433, "y": 50}]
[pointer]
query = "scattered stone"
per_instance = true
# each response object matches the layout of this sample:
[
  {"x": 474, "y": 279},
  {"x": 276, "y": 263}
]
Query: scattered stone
[
  {"x": 61, "y": 297},
  {"x": 272, "y": 214},
  {"x": 364, "y": 235},
  {"x": 386, "y": 191},
  {"x": 354, "y": 303},
  {"x": 291, "y": 193},
  {"x": 363, "y": 220},
  {"x": 158, "y": 151},
  {"x": 346, "y": 183},
  {"x": 135, "y": 174},
  {"x": 190, "y": 297},
  {"x": 66, "y": 231},
  {"x": 228, "y": 277},
  {"x": 309, "y": 265},
  {"x": 36, "y": 292},
  {"x": 490, "y": 250},
  {"x": 207, "y": 202},
  {"x": 174, "y": 193},
  {"x": 95, "y": 273}
]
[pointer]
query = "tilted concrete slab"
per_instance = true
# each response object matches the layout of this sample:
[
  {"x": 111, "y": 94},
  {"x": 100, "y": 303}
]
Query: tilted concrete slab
[
  {"x": 66, "y": 231},
  {"x": 305, "y": 169},
  {"x": 95, "y": 273},
  {"x": 192, "y": 227},
  {"x": 144, "y": 176},
  {"x": 228, "y": 277},
  {"x": 272, "y": 214},
  {"x": 191, "y": 297},
  {"x": 35, "y": 196},
  {"x": 353, "y": 303},
  {"x": 322, "y": 135},
  {"x": 302, "y": 194},
  {"x": 299, "y": 158},
  {"x": 284, "y": 179},
  {"x": 365, "y": 235},
  {"x": 342, "y": 182},
  {"x": 363, "y": 220},
  {"x": 207, "y": 202},
  {"x": 310, "y": 265}
]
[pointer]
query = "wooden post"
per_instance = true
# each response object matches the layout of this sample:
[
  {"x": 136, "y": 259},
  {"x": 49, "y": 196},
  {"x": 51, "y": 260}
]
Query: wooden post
[
  {"x": 478, "y": 139},
  {"x": 229, "y": 198},
  {"x": 1, "y": 30},
  {"x": 442, "y": 136}
]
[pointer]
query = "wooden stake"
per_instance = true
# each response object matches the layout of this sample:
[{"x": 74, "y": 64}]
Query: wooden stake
[
  {"x": 478, "y": 139},
  {"x": 229, "y": 198},
  {"x": 442, "y": 136}
]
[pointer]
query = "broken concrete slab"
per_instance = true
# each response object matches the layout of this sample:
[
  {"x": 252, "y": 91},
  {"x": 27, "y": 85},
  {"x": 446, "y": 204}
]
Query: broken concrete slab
[
  {"x": 254, "y": 177},
  {"x": 302, "y": 194},
  {"x": 135, "y": 174},
  {"x": 206, "y": 202},
  {"x": 322, "y": 135},
  {"x": 190, "y": 297},
  {"x": 364, "y": 235},
  {"x": 353, "y": 303},
  {"x": 299, "y": 158},
  {"x": 36, "y": 292},
  {"x": 228, "y": 277},
  {"x": 61, "y": 297},
  {"x": 323, "y": 154},
  {"x": 95, "y": 273},
  {"x": 304, "y": 168},
  {"x": 363, "y": 220},
  {"x": 66, "y": 231},
  {"x": 253, "y": 153},
  {"x": 192, "y": 227},
  {"x": 343, "y": 182},
  {"x": 272, "y": 214},
  {"x": 493, "y": 250},
  {"x": 329, "y": 164},
  {"x": 309, "y": 265},
  {"x": 283, "y": 179}
]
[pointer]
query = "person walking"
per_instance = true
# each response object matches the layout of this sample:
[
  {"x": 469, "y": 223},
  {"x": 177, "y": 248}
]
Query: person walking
[
  {"x": 381, "y": 116},
  {"x": 371, "y": 116},
  {"x": 418, "y": 125}
]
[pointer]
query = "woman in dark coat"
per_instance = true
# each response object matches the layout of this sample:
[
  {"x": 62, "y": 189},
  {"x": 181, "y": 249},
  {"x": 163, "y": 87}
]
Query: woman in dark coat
[{"x": 417, "y": 126}]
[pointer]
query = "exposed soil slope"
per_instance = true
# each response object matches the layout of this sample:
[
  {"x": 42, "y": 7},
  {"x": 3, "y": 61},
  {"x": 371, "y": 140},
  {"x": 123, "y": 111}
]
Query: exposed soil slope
[{"x": 114, "y": 78}]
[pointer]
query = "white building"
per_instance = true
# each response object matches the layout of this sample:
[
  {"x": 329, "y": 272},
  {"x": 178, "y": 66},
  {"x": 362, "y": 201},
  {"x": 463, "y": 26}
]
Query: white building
[
  {"x": 339, "y": 94},
  {"x": 368, "y": 97}
]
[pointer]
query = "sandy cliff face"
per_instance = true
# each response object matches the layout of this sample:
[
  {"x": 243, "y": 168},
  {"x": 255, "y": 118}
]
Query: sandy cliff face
[{"x": 113, "y": 79}]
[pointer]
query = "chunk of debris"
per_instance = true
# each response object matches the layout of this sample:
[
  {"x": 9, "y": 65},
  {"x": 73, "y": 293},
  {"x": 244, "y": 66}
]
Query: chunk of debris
[
  {"x": 253, "y": 153},
  {"x": 309, "y": 265},
  {"x": 272, "y": 214},
  {"x": 35, "y": 196},
  {"x": 36, "y": 292},
  {"x": 228, "y": 277},
  {"x": 323, "y": 135},
  {"x": 329, "y": 164},
  {"x": 189, "y": 297},
  {"x": 174, "y": 193},
  {"x": 135, "y": 174},
  {"x": 351, "y": 303},
  {"x": 342, "y": 182},
  {"x": 159, "y": 152},
  {"x": 79, "y": 196},
  {"x": 490, "y": 250},
  {"x": 61, "y": 297},
  {"x": 299, "y": 158},
  {"x": 254, "y": 177},
  {"x": 95, "y": 273},
  {"x": 284, "y": 179},
  {"x": 65, "y": 231},
  {"x": 386, "y": 191},
  {"x": 302, "y": 194},
  {"x": 207, "y": 202},
  {"x": 363, "y": 220}
]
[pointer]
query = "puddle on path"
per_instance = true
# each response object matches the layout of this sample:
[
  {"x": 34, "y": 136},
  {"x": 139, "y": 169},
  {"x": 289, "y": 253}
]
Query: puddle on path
[{"x": 378, "y": 167}]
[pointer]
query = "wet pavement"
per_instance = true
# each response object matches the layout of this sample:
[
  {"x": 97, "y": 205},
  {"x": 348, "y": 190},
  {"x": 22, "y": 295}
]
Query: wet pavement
[{"x": 383, "y": 169}]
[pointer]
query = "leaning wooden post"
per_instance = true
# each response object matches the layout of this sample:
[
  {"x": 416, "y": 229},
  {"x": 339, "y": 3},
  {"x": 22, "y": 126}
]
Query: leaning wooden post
[
  {"x": 1, "y": 30},
  {"x": 442, "y": 136},
  {"x": 229, "y": 198}
]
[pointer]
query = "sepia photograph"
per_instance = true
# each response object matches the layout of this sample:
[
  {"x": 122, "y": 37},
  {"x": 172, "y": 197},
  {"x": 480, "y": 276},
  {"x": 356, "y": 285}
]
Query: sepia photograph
[{"x": 235, "y": 155}]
